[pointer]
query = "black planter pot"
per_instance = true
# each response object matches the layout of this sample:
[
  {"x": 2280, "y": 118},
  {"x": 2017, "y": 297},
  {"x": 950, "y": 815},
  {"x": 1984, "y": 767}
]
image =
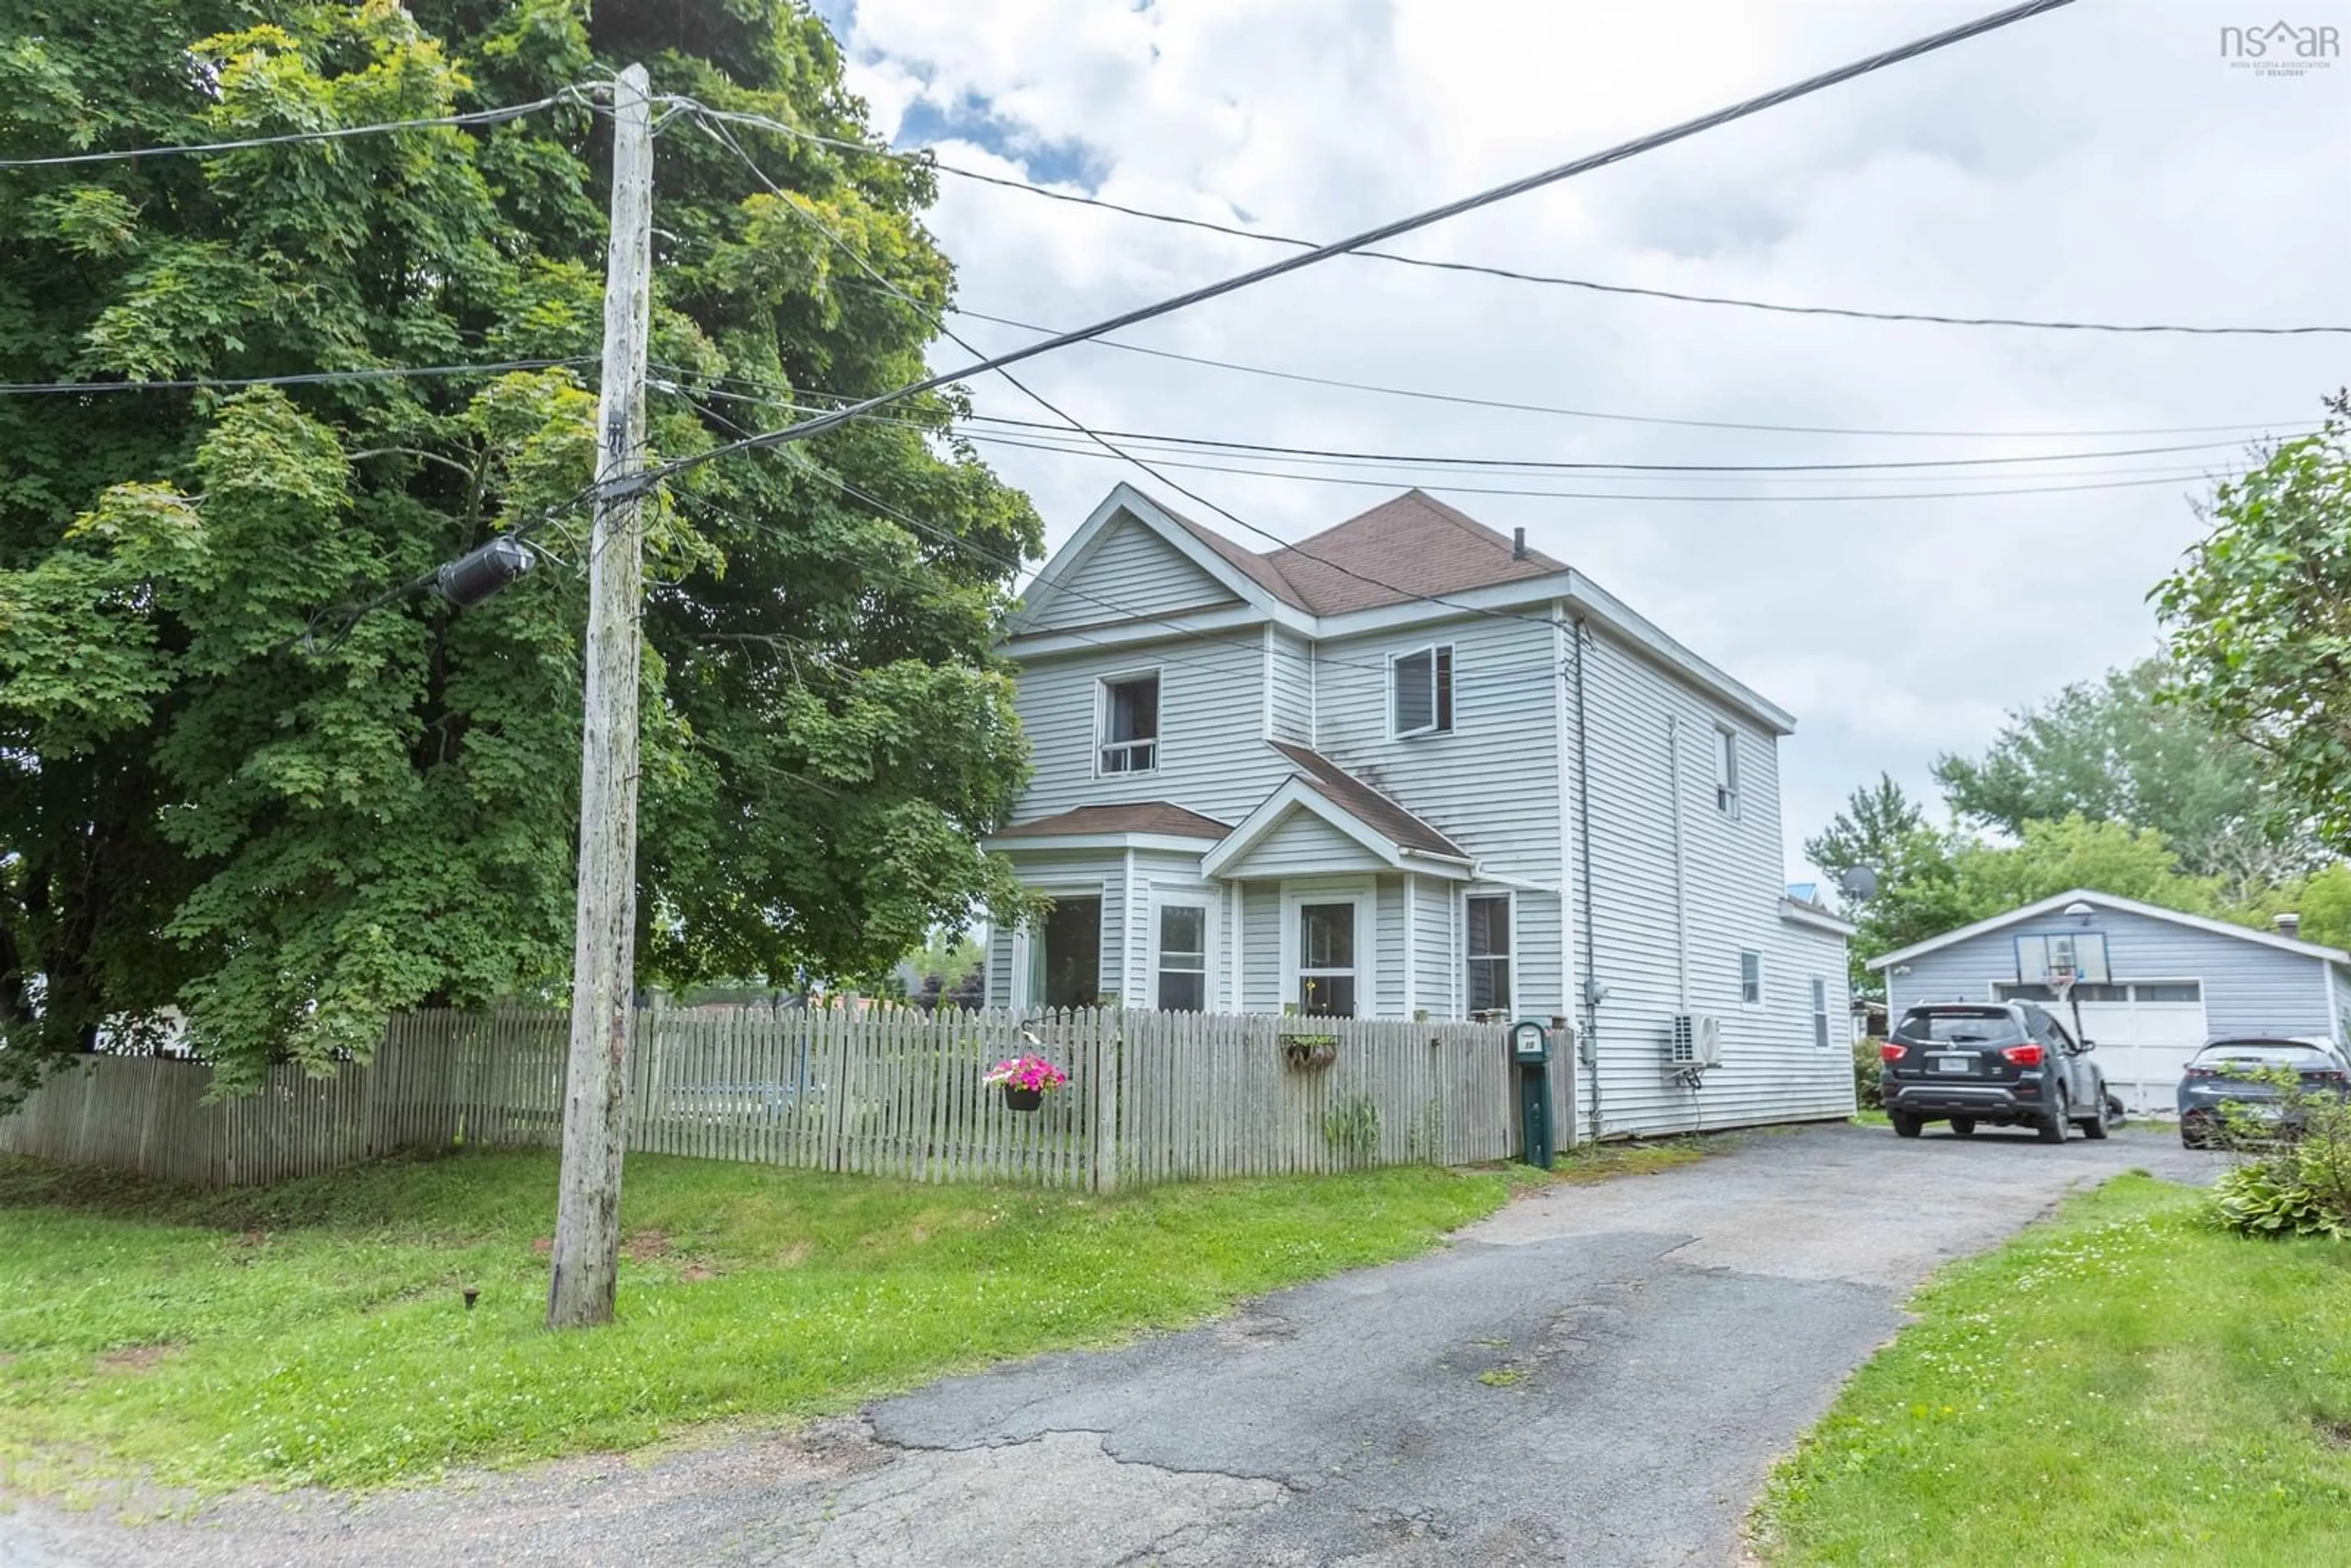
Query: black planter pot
[{"x": 1018, "y": 1099}]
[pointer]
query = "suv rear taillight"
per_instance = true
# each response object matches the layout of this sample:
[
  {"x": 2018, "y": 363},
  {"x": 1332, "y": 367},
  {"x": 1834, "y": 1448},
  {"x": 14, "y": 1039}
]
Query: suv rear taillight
[
  {"x": 2022, "y": 1055},
  {"x": 2194, "y": 1071},
  {"x": 1889, "y": 1051}
]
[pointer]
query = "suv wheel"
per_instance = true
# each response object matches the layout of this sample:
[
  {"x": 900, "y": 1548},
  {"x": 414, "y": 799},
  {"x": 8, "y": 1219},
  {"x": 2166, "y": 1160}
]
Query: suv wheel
[
  {"x": 2095, "y": 1127},
  {"x": 1905, "y": 1124},
  {"x": 2053, "y": 1128},
  {"x": 1965, "y": 1126}
]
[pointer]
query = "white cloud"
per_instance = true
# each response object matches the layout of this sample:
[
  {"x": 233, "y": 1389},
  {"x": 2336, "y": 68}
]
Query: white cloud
[{"x": 2100, "y": 162}]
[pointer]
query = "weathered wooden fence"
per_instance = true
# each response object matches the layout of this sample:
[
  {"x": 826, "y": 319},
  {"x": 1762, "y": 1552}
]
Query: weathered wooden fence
[{"x": 1152, "y": 1097}]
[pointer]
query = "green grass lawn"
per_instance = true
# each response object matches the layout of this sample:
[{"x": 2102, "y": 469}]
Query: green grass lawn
[
  {"x": 314, "y": 1333},
  {"x": 2125, "y": 1385}
]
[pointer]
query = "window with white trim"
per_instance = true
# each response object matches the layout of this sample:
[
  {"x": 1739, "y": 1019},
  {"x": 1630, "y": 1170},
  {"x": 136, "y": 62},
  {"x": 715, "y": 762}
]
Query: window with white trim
[
  {"x": 1726, "y": 770},
  {"x": 1751, "y": 977},
  {"x": 1183, "y": 958},
  {"x": 1327, "y": 959},
  {"x": 1486, "y": 952},
  {"x": 1126, "y": 725},
  {"x": 1420, "y": 692},
  {"x": 1820, "y": 1015}
]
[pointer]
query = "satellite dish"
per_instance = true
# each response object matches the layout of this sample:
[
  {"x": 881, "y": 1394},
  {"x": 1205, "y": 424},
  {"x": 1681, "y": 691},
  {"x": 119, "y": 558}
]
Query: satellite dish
[{"x": 1859, "y": 883}]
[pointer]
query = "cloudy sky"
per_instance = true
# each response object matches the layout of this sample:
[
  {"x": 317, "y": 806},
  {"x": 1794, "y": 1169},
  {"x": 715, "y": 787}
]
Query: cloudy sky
[{"x": 2103, "y": 163}]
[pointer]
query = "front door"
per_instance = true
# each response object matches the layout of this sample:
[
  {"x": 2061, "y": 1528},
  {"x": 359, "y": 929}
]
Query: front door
[{"x": 1068, "y": 965}]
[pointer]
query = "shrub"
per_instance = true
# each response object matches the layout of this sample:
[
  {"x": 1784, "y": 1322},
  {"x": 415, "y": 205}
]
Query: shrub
[
  {"x": 1865, "y": 1064},
  {"x": 2268, "y": 1198},
  {"x": 2293, "y": 1177}
]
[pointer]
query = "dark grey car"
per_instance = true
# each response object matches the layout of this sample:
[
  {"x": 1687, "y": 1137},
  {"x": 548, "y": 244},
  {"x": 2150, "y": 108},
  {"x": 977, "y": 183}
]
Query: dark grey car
[
  {"x": 2237, "y": 1071},
  {"x": 2004, "y": 1064}
]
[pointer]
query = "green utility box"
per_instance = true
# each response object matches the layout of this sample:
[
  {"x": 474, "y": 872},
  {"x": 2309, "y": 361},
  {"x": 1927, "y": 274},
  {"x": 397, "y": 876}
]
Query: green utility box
[{"x": 1531, "y": 1055}]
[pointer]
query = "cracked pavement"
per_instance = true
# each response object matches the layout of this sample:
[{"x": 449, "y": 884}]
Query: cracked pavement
[{"x": 1594, "y": 1374}]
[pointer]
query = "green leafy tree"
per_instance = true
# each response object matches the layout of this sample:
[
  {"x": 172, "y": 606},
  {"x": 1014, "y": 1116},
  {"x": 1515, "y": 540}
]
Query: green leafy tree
[
  {"x": 287, "y": 844},
  {"x": 2115, "y": 750},
  {"x": 1883, "y": 829},
  {"x": 2259, "y": 620}
]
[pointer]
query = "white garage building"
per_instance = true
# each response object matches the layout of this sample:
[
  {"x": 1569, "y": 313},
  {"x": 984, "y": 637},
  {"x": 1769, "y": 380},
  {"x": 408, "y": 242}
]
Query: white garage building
[{"x": 2153, "y": 984}]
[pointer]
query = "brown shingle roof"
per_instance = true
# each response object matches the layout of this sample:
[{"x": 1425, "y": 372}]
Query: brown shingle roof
[
  {"x": 1258, "y": 569},
  {"x": 1359, "y": 799},
  {"x": 1411, "y": 546},
  {"x": 1140, "y": 817}
]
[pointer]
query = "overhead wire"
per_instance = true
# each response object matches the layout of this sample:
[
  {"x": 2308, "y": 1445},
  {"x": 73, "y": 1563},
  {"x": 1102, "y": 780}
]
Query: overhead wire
[
  {"x": 728, "y": 139},
  {"x": 928, "y": 157},
  {"x": 1040, "y": 435},
  {"x": 294, "y": 379},
  {"x": 334, "y": 133},
  {"x": 1389, "y": 230},
  {"x": 1509, "y": 405}
]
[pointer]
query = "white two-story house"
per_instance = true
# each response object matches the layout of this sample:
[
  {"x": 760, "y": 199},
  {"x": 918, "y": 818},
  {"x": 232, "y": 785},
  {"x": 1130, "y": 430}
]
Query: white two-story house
[{"x": 1409, "y": 767}]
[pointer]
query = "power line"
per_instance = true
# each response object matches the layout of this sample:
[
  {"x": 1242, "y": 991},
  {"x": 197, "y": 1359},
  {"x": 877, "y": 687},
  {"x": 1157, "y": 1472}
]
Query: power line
[
  {"x": 297, "y": 379},
  {"x": 1545, "y": 666},
  {"x": 1426, "y": 460},
  {"x": 1390, "y": 230},
  {"x": 1447, "y": 484},
  {"x": 929, "y": 158},
  {"x": 1469, "y": 400},
  {"x": 725, "y": 137},
  {"x": 475, "y": 117}
]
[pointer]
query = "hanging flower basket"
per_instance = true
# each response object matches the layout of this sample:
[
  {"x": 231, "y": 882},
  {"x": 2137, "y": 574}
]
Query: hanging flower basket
[
  {"x": 1310, "y": 1052},
  {"x": 1025, "y": 1081}
]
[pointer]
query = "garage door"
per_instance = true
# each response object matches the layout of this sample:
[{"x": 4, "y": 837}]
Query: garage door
[{"x": 2145, "y": 1032}]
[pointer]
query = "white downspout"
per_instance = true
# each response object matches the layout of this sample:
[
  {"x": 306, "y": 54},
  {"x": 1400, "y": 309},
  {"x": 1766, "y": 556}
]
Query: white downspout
[
  {"x": 1681, "y": 867},
  {"x": 1411, "y": 944}
]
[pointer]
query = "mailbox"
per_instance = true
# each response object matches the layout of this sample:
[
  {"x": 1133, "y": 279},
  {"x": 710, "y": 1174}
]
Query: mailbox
[{"x": 1531, "y": 1054}]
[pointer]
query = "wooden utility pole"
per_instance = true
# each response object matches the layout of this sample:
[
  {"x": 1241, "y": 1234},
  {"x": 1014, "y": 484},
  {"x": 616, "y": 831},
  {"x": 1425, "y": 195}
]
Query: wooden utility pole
[{"x": 603, "y": 976}]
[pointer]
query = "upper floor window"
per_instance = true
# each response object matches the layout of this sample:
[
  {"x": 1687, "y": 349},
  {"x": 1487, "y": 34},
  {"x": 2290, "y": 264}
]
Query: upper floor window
[
  {"x": 1127, "y": 726},
  {"x": 1420, "y": 692},
  {"x": 1726, "y": 771},
  {"x": 1751, "y": 977}
]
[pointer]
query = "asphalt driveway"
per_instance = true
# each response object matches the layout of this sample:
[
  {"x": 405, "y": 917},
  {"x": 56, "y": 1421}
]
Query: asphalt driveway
[{"x": 1599, "y": 1375}]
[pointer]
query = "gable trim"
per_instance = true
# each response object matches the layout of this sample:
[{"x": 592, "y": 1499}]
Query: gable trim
[
  {"x": 1125, "y": 501},
  {"x": 2119, "y": 905},
  {"x": 1296, "y": 794}
]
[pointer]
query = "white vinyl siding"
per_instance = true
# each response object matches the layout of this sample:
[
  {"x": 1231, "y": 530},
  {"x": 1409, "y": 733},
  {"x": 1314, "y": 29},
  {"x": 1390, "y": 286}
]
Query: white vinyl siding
[
  {"x": 1289, "y": 667},
  {"x": 1492, "y": 785},
  {"x": 1132, "y": 568},
  {"x": 1214, "y": 758},
  {"x": 1734, "y": 881},
  {"x": 1303, "y": 844}
]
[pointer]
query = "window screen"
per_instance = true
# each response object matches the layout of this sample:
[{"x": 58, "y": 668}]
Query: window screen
[
  {"x": 1489, "y": 953},
  {"x": 1183, "y": 958},
  {"x": 1421, "y": 696},
  {"x": 1130, "y": 725}
]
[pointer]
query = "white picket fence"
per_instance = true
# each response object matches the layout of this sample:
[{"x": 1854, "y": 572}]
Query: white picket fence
[{"x": 1153, "y": 1097}]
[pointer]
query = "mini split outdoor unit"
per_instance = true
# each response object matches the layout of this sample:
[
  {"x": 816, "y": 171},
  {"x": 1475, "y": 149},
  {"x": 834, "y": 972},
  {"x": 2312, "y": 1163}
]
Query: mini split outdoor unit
[{"x": 1696, "y": 1042}]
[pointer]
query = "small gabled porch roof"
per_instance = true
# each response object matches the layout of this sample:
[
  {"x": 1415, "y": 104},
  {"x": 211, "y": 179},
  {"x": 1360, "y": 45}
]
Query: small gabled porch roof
[
  {"x": 1139, "y": 824},
  {"x": 1322, "y": 788}
]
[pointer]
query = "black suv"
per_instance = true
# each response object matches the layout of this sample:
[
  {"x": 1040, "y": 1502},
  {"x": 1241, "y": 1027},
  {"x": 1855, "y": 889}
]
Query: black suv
[{"x": 2008, "y": 1063}]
